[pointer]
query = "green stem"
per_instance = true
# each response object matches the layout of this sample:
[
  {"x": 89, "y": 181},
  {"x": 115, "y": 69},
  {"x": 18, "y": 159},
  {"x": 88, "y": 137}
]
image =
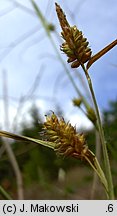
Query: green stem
[
  {"x": 5, "y": 194},
  {"x": 97, "y": 168},
  {"x": 102, "y": 138}
]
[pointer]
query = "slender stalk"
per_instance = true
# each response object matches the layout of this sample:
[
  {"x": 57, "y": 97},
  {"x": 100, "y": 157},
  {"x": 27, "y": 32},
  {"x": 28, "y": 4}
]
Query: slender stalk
[
  {"x": 5, "y": 194},
  {"x": 7, "y": 145},
  {"x": 102, "y": 138},
  {"x": 98, "y": 155},
  {"x": 97, "y": 168}
]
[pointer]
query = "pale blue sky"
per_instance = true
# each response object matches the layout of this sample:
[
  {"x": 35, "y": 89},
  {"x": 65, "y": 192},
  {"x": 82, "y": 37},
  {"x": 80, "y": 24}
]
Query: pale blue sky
[{"x": 98, "y": 21}]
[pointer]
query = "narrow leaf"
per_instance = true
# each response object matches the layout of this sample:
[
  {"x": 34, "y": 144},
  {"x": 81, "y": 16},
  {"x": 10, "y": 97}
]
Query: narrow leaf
[
  {"x": 101, "y": 53},
  {"x": 26, "y": 139}
]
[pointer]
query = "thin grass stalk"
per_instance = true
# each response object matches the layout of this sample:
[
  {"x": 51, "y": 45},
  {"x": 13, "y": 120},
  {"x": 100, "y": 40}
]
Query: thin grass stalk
[
  {"x": 5, "y": 194},
  {"x": 98, "y": 170},
  {"x": 7, "y": 145},
  {"x": 102, "y": 137},
  {"x": 98, "y": 156}
]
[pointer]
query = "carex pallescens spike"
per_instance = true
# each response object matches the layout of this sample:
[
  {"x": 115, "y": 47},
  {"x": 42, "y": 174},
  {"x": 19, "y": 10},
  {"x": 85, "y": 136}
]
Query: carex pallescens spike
[
  {"x": 67, "y": 141},
  {"x": 76, "y": 45}
]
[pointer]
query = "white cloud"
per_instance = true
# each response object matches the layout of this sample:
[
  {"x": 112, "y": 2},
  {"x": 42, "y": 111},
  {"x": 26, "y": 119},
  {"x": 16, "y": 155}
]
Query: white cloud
[{"x": 81, "y": 121}]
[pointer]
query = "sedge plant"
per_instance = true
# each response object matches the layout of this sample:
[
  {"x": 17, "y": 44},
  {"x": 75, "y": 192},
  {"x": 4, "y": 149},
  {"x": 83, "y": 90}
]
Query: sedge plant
[
  {"x": 76, "y": 48},
  {"x": 61, "y": 136}
]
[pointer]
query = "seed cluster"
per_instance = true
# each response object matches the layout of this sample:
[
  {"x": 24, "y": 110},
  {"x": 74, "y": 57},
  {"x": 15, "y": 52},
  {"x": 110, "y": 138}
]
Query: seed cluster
[
  {"x": 75, "y": 45},
  {"x": 68, "y": 141}
]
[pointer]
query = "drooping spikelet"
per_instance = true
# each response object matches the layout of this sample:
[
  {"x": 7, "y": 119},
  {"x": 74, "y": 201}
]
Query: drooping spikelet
[
  {"x": 77, "y": 102},
  {"x": 68, "y": 141},
  {"x": 75, "y": 45}
]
